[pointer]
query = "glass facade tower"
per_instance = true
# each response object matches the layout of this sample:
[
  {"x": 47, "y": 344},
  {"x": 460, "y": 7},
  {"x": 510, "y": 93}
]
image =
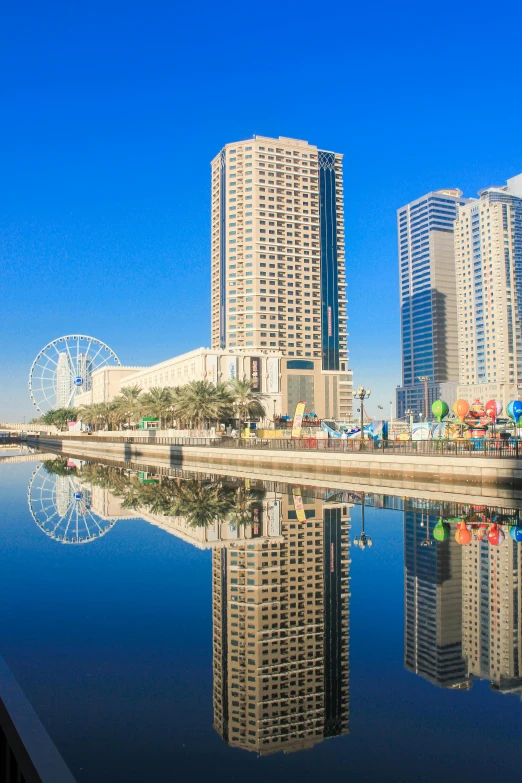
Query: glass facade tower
[{"x": 427, "y": 297}]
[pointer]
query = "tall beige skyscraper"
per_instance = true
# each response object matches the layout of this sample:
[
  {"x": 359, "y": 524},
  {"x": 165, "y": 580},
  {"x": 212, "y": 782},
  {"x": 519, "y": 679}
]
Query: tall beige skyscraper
[
  {"x": 488, "y": 257},
  {"x": 278, "y": 277},
  {"x": 492, "y": 612},
  {"x": 281, "y": 633}
]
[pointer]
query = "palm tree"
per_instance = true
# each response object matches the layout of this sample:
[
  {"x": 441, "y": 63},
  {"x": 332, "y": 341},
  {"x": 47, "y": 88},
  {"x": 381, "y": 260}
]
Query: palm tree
[
  {"x": 202, "y": 401},
  {"x": 127, "y": 403},
  {"x": 58, "y": 466},
  {"x": 203, "y": 503},
  {"x": 60, "y": 417},
  {"x": 99, "y": 414},
  {"x": 242, "y": 509},
  {"x": 247, "y": 403},
  {"x": 156, "y": 402}
]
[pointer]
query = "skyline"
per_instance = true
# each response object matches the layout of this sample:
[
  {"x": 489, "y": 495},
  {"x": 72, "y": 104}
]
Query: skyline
[{"x": 105, "y": 211}]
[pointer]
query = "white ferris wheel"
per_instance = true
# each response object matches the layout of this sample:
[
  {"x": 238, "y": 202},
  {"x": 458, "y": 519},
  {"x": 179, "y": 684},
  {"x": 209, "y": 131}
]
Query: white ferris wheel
[
  {"x": 64, "y": 369},
  {"x": 61, "y": 507}
]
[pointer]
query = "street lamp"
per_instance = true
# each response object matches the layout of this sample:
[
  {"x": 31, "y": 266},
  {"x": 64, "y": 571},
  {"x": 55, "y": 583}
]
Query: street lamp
[
  {"x": 362, "y": 394},
  {"x": 424, "y": 379},
  {"x": 409, "y": 413},
  {"x": 274, "y": 401},
  {"x": 427, "y": 541},
  {"x": 363, "y": 540}
]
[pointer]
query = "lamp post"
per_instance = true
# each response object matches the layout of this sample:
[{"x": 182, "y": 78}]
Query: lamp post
[
  {"x": 427, "y": 541},
  {"x": 274, "y": 401},
  {"x": 409, "y": 413},
  {"x": 424, "y": 379},
  {"x": 363, "y": 540},
  {"x": 362, "y": 394}
]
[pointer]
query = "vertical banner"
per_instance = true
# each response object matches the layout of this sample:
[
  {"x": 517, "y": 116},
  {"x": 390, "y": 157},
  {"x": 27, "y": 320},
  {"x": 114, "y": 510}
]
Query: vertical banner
[
  {"x": 255, "y": 373},
  {"x": 272, "y": 370},
  {"x": 212, "y": 368},
  {"x": 298, "y": 419},
  {"x": 274, "y": 518},
  {"x": 231, "y": 371},
  {"x": 298, "y": 505}
]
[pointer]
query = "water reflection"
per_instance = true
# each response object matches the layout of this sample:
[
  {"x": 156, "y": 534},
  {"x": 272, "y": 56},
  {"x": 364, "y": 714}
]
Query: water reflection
[
  {"x": 281, "y": 631},
  {"x": 463, "y": 598},
  {"x": 280, "y": 593},
  {"x": 61, "y": 505},
  {"x": 281, "y": 589}
]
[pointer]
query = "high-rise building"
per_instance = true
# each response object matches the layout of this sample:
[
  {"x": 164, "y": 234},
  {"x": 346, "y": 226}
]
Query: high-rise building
[
  {"x": 488, "y": 257},
  {"x": 64, "y": 382},
  {"x": 427, "y": 298},
  {"x": 492, "y": 612},
  {"x": 432, "y": 602},
  {"x": 281, "y": 632},
  {"x": 278, "y": 276},
  {"x": 83, "y": 378}
]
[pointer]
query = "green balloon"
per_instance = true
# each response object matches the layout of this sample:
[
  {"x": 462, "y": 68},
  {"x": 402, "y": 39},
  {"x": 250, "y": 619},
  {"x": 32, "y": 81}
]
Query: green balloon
[
  {"x": 441, "y": 531},
  {"x": 440, "y": 409}
]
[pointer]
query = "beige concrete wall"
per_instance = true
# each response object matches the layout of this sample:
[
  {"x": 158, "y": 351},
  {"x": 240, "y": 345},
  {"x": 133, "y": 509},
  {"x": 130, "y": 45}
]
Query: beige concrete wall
[{"x": 462, "y": 479}]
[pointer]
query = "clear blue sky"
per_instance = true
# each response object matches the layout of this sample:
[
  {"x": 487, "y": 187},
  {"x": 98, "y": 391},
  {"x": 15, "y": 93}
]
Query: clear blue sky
[{"x": 111, "y": 113}]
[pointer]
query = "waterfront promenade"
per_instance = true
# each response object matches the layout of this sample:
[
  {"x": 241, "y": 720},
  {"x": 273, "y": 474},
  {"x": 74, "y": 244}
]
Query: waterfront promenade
[{"x": 415, "y": 471}]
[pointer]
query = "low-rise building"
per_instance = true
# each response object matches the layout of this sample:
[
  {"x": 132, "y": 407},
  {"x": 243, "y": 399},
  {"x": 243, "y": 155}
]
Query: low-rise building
[
  {"x": 217, "y": 366},
  {"x": 105, "y": 385}
]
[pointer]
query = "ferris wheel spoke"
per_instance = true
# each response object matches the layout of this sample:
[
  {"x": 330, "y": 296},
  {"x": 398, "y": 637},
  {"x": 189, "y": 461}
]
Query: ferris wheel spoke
[
  {"x": 100, "y": 349},
  {"x": 71, "y": 363},
  {"x": 69, "y": 517},
  {"x": 96, "y": 522}
]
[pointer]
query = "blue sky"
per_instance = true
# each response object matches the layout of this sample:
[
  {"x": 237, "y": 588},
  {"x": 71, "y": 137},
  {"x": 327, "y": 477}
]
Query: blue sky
[{"x": 111, "y": 113}]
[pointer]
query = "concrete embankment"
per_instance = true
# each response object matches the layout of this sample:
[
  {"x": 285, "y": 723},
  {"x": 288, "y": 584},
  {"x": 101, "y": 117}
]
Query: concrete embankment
[{"x": 465, "y": 477}]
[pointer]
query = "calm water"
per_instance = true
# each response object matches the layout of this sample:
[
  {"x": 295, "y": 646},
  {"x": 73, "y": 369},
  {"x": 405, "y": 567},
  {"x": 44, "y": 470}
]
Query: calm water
[{"x": 174, "y": 647}]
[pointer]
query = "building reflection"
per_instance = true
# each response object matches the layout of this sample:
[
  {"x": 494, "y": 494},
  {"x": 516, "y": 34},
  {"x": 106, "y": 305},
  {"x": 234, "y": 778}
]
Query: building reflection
[
  {"x": 491, "y": 615},
  {"x": 432, "y": 602},
  {"x": 463, "y": 601},
  {"x": 281, "y": 631},
  {"x": 280, "y": 597}
]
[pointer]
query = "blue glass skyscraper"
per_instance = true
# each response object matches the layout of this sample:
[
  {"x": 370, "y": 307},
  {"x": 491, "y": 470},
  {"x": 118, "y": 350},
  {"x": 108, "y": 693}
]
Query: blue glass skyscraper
[{"x": 427, "y": 298}]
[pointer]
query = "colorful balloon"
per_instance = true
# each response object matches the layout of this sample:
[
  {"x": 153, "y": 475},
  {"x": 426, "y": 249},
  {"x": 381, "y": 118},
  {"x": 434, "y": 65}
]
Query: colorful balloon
[
  {"x": 440, "y": 409},
  {"x": 461, "y": 409},
  {"x": 516, "y": 533},
  {"x": 493, "y": 409},
  {"x": 441, "y": 531},
  {"x": 463, "y": 535},
  {"x": 514, "y": 410},
  {"x": 496, "y": 535}
]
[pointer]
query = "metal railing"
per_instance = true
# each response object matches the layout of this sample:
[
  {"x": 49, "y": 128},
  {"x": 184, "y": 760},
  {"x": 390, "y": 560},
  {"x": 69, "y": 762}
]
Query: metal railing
[{"x": 428, "y": 448}]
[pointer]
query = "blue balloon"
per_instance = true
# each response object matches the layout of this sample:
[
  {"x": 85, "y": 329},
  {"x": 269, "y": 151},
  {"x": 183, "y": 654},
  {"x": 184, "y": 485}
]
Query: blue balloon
[
  {"x": 516, "y": 533},
  {"x": 514, "y": 410}
]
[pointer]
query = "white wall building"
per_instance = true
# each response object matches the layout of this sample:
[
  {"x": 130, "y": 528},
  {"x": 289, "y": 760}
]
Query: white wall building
[
  {"x": 105, "y": 385},
  {"x": 216, "y": 366},
  {"x": 488, "y": 259}
]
